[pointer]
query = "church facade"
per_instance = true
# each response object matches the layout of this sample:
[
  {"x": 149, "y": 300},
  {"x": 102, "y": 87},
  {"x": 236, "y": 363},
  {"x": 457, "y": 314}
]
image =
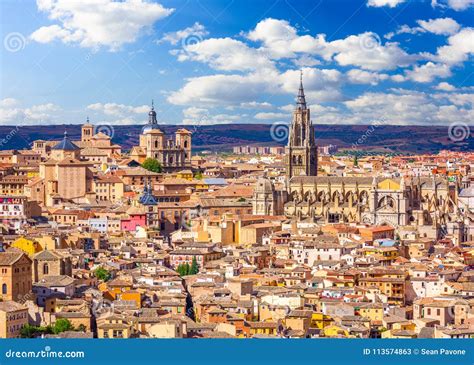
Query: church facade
[
  {"x": 173, "y": 154},
  {"x": 427, "y": 203}
]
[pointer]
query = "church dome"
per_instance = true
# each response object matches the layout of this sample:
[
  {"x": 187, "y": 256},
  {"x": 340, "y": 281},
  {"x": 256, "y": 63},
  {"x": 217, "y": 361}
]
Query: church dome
[
  {"x": 152, "y": 125},
  {"x": 147, "y": 128},
  {"x": 264, "y": 185},
  {"x": 65, "y": 144}
]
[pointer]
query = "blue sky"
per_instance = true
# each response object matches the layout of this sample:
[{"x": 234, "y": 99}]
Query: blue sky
[{"x": 210, "y": 62}]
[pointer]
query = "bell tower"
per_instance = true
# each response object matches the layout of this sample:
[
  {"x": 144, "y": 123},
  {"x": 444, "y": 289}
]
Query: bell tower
[{"x": 301, "y": 153}]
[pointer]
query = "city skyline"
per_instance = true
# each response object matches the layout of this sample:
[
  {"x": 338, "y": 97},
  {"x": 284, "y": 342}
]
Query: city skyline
[{"x": 395, "y": 61}]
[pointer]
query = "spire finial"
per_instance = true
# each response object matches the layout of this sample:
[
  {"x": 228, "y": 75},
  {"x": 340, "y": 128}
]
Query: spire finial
[
  {"x": 152, "y": 104},
  {"x": 87, "y": 119},
  {"x": 65, "y": 134}
]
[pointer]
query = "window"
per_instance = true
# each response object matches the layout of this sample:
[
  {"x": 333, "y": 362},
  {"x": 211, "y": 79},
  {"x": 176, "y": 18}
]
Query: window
[
  {"x": 45, "y": 269},
  {"x": 4, "y": 289}
]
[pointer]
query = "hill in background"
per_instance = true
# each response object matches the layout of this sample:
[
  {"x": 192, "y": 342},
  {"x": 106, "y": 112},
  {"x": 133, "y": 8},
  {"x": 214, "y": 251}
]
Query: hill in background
[{"x": 222, "y": 137}]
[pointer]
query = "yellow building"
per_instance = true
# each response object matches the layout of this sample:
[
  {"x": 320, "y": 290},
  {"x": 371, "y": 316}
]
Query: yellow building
[
  {"x": 29, "y": 246},
  {"x": 372, "y": 311},
  {"x": 108, "y": 188},
  {"x": 320, "y": 320},
  {"x": 115, "y": 326},
  {"x": 185, "y": 174},
  {"x": 404, "y": 329},
  {"x": 13, "y": 316},
  {"x": 263, "y": 328},
  {"x": 335, "y": 331}
]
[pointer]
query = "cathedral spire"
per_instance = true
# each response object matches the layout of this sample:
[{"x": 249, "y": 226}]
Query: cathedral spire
[{"x": 300, "y": 99}]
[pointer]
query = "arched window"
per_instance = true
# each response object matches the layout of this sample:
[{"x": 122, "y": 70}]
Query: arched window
[
  {"x": 185, "y": 144},
  {"x": 4, "y": 289},
  {"x": 294, "y": 159},
  {"x": 300, "y": 160},
  {"x": 171, "y": 159},
  {"x": 156, "y": 144},
  {"x": 45, "y": 269}
]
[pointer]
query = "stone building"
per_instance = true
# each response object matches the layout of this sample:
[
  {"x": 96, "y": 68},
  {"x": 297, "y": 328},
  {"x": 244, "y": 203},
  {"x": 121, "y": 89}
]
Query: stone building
[
  {"x": 92, "y": 146},
  {"x": 49, "y": 262},
  {"x": 428, "y": 203},
  {"x": 301, "y": 153},
  {"x": 63, "y": 177},
  {"x": 173, "y": 155},
  {"x": 266, "y": 200},
  {"x": 15, "y": 275}
]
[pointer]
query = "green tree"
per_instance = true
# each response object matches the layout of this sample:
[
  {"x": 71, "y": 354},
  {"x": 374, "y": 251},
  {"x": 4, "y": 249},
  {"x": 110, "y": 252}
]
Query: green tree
[
  {"x": 356, "y": 161},
  {"x": 102, "y": 274},
  {"x": 62, "y": 325},
  {"x": 187, "y": 269},
  {"x": 152, "y": 165},
  {"x": 29, "y": 331},
  {"x": 198, "y": 175},
  {"x": 194, "y": 267}
]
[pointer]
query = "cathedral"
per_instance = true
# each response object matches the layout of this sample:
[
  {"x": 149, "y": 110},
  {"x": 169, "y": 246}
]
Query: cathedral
[
  {"x": 173, "y": 155},
  {"x": 427, "y": 203}
]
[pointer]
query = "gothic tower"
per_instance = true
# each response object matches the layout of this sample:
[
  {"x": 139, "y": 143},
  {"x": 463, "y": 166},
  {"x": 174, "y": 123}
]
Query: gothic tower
[{"x": 301, "y": 153}]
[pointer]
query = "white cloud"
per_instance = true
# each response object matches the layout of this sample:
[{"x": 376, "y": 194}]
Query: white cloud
[
  {"x": 321, "y": 85},
  {"x": 439, "y": 26},
  {"x": 222, "y": 90},
  {"x": 356, "y": 76},
  {"x": 442, "y": 26},
  {"x": 460, "y": 99},
  {"x": 96, "y": 23},
  {"x": 189, "y": 35},
  {"x": 380, "y": 3},
  {"x": 460, "y": 47},
  {"x": 255, "y": 105},
  {"x": 11, "y": 112},
  {"x": 202, "y": 116},
  {"x": 118, "y": 110},
  {"x": 280, "y": 40},
  {"x": 458, "y": 5},
  {"x": 225, "y": 54},
  {"x": 404, "y": 107},
  {"x": 366, "y": 51},
  {"x": 444, "y": 86},
  {"x": 428, "y": 72},
  {"x": 270, "y": 116}
]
